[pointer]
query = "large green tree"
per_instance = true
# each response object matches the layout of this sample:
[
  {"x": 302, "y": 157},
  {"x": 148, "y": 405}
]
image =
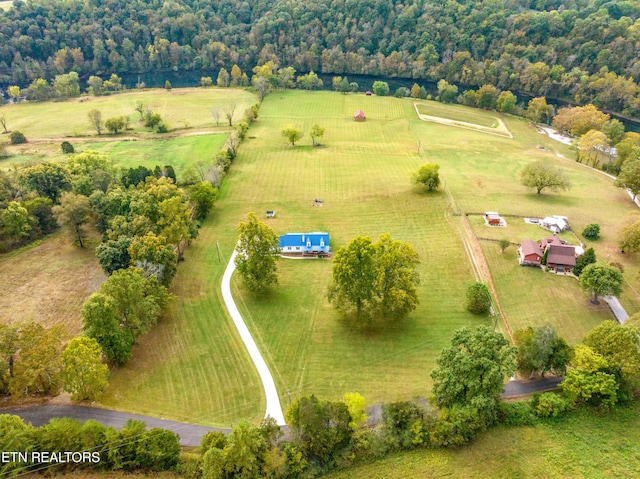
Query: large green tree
[
  {"x": 472, "y": 370},
  {"x": 292, "y": 134},
  {"x": 154, "y": 256},
  {"x": 102, "y": 322},
  {"x": 589, "y": 380},
  {"x": 202, "y": 197},
  {"x": 83, "y": 373},
  {"x": 540, "y": 349},
  {"x": 374, "y": 280},
  {"x": 257, "y": 248},
  {"x": 542, "y": 175},
  {"x": 601, "y": 280},
  {"x": 629, "y": 177},
  {"x": 320, "y": 429},
  {"x": 47, "y": 179},
  {"x": 15, "y": 221},
  {"x": 620, "y": 346},
  {"x": 428, "y": 176}
]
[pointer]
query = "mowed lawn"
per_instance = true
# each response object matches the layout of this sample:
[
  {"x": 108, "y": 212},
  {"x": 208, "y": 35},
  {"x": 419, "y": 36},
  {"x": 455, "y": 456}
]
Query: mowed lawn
[
  {"x": 583, "y": 445},
  {"x": 180, "y": 108},
  {"x": 362, "y": 173},
  {"x": 181, "y": 153}
]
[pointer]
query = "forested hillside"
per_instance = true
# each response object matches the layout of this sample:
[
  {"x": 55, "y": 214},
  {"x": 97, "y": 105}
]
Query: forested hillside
[{"x": 582, "y": 50}]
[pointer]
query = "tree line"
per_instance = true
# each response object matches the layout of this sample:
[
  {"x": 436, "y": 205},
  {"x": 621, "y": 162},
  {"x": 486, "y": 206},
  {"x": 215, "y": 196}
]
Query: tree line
[{"x": 581, "y": 50}]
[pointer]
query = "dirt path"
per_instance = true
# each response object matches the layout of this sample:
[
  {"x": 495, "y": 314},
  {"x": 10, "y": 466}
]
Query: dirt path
[
  {"x": 481, "y": 268},
  {"x": 110, "y": 138},
  {"x": 500, "y": 130}
]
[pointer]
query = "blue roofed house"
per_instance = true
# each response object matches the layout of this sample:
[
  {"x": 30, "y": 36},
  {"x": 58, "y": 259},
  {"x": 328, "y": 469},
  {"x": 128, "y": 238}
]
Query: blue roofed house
[{"x": 317, "y": 242}]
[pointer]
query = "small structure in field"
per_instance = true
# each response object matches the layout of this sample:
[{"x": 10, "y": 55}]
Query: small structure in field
[
  {"x": 359, "y": 116},
  {"x": 318, "y": 202},
  {"x": 271, "y": 214},
  {"x": 556, "y": 224},
  {"x": 530, "y": 253},
  {"x": 368, "y": 93},
  {"x": 492, "y": 218},
  {"x": 316, "y": 243}
]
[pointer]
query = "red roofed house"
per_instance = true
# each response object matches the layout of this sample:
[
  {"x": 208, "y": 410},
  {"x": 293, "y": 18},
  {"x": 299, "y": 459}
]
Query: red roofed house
[
  {"x": 561, "y": 258},
  {"x": 529, "y": 253},
  {"x": 553, "y": 239},
  {"x": 359, "y": 116}
]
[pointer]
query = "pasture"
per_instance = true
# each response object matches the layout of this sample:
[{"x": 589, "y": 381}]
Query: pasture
[
  {"x": 48, "y": 282},
  {"x": 181, "y": 109},
  {"x": 582, "y": 445}
]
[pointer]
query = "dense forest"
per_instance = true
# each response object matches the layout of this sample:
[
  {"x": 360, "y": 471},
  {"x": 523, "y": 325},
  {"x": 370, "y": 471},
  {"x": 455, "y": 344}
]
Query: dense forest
[{"x": 580, "y": 50}]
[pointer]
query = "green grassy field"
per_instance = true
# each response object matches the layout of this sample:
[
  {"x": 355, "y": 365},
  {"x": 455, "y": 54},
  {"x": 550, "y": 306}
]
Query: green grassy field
[
  {"x": 582, "y": 445},
  {"x": 458, "y": 113},
  {"x": 184, "y": 108},
  {"x": 365, "y": 185},
  {"x": 181, "y": 153},
  {"x": 6, "y": 5}
]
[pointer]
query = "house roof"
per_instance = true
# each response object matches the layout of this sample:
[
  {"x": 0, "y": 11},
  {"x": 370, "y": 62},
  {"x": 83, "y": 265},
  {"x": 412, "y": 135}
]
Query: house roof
[
  {"x": 553, "y": 239},
  {"x": 561, "y": 254},
  {"x": 359, "y": 114},
  {"x": 530, "y": 247},
  {"x": 551, "y": 220},
  {"x": 300, "y": 239}
]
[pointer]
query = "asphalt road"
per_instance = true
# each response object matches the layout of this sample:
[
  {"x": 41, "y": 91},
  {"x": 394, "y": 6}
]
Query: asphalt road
[
  {"x": 521, "y": 388},
  {"x": 190, "y": 434}
]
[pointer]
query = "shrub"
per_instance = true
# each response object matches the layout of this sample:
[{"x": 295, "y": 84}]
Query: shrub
[
  {"x": 162, "y": 128},
  {"x": 456, "y": 426},
  {"x": 592, "y": 231},
  {"x": 549, "y": 405},
  {"x": 67, "y": 147},
  {"x": 516, "y": 414},
  {"x": 189, "y": 464},
  {"x": 404, "y": 425},
  {"x": 478, "y": 298},
  {"x": 17, "y": 137}
]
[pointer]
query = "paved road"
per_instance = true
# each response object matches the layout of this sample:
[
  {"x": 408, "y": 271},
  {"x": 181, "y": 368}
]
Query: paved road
[
  {"x": 616, "y": 308},
  {"x": 190, "y": 434},
  {"x": 273, "y": 401},
  {"x": 520, "y": 388},
  {"x": 512, "y": 389}
]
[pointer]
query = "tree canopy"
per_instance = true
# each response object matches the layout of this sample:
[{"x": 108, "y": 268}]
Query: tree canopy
[
  {"x": 601, "y": 280},
  {"x": 472, "y": 370},
  {"x": 428, "y": 176},
  {"x": 374, "y": 280},
  {"x": 542, "y": 175},
  {"x": 257, "y": 248}
]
